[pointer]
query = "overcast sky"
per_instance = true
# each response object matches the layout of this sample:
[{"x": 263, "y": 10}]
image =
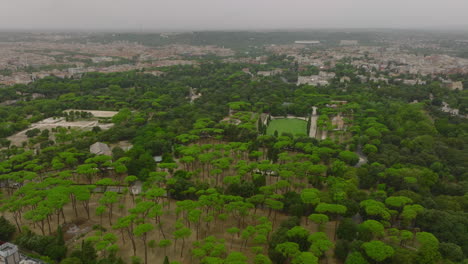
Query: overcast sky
[{"x": 231, "y": 14}]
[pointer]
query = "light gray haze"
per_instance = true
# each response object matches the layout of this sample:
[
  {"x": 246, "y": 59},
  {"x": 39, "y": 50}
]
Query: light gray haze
[{"x": 230, "y": 14}]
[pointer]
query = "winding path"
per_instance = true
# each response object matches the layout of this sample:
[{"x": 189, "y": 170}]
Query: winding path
[{"x": 362, "y": 157}]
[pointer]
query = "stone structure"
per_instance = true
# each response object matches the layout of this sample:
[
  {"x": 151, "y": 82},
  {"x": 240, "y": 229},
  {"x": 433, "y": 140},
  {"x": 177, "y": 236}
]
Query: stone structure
[
  {"x": 100, "y": 148},
  {"x": 9, "y": 254}
]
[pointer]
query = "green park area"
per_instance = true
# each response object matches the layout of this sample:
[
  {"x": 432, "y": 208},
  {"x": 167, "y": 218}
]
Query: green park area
[{"x": 287, "y": 125}]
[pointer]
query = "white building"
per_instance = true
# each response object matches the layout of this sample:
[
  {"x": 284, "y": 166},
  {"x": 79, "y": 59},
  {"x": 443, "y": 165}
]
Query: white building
[
  {"x": 321, "y": 79},
  {"x": 312, "y": 80},
  {"x": 307, "y": 42},
  {"x": 100, "y": 148},
  {"x": 101, "y": 59},
  {"x": 28, "y": 261},
  {"x": 9, "y": 254},
  {"x": 414, "y": 82}
]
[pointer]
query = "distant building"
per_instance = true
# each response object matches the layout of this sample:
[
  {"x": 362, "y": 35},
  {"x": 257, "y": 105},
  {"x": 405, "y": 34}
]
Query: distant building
[
  {"x": 362, "y": 78},
  {"x": 73, "y": 71},
  {"x": 327, "y": 75},
  {"x": 453, "y": 85},
  {"x": 346, "y": 42},
  {"x": 9, "y": 254},
  {"x": 379, "y": 79},
  {"x": 414, "y": 82},
  {"x": 321, "y": 79},
  {"x": 37, "y": 96},
  {"x": 336, "y": 104},
  {"x": 264, "y": 73},
  {"x": 270, "y": 73},
  {"x": 410, "y": 82},
  {"x": 247, "y": 70},
  {"x": 76, "y": 72},
  {"x": 311, "y": 80},
  {"x": 345, "y": 79},
  {"x": 156, "y": 73},
  {"x": 100, "y": 148},
  {"x": 40, "y": 75},
  {"x": 307, "y": 42},
  {"x": 101, "y": 59},
  {"x": 447, "y": 109}
]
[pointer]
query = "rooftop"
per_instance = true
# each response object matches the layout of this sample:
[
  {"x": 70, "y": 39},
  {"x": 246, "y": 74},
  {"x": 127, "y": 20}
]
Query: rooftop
[
  {"x": 8, "y": 249},
  {"x": 100, "y": 148}
]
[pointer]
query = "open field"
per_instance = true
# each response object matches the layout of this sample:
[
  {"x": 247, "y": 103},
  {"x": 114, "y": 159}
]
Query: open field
[
  {"x": 287, "y": 125},
  {"x": 49, "y": 123},
  {"x": 96, "y": 113}
]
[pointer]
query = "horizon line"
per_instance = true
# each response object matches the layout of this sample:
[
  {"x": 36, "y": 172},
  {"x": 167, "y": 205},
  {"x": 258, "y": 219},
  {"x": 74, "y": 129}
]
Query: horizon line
[{"x": 458, "y": 28}]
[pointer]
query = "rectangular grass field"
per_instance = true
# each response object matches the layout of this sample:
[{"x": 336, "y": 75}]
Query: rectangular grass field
[{"x": 288, "y": 125}]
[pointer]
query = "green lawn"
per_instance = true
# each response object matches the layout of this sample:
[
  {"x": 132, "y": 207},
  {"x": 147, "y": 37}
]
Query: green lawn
[{"x": 293, "y": 126}]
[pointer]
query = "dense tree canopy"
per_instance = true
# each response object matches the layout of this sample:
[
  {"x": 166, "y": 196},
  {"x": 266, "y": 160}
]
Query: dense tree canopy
[{"x": 200, "y": 180}]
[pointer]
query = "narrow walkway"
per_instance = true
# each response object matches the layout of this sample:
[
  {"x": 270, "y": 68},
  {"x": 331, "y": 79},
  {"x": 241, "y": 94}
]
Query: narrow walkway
[
  {"x": 313, "y": 123},
  {"x": 362, "y": 157}
]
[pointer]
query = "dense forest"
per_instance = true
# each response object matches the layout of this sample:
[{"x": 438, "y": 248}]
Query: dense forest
[{"x": 391, "y": 188}]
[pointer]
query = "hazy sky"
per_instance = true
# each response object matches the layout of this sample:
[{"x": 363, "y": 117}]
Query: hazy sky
[{"x": 230, "y": 14}]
